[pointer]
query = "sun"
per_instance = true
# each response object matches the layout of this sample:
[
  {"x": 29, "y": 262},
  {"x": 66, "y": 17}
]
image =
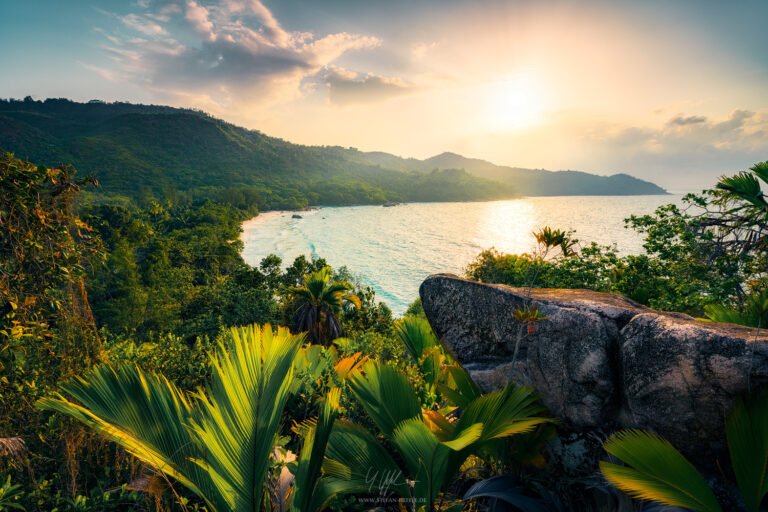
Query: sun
[{"x": 513, "y": 103}]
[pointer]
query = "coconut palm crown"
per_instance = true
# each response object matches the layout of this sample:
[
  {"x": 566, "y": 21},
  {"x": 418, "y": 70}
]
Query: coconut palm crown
[{"x": 319, "y": 304}]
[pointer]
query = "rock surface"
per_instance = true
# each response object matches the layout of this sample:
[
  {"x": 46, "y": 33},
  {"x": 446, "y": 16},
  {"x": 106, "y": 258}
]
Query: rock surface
[{"x": 601, "y": 361}]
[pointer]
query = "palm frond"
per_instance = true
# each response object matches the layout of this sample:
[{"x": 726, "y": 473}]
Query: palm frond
[
  {"x": 745, "y": 186},
  {"x": 142, "y": 412},
  {"x": 503, "y": 413},
  {"x": 761, "y": 171},
  {"x": 357, "y": 462},
  {"x": 386, "y": 395},
  {"x": 349, "y": 365},
  {"x": 441, "y": 426},
  {"x": 219, "y": 444},
  {"x": 426, "y": 457},
  {"x": 461, "y": 389},
  {"x": 416, "y": 334},
  {"x": 747, "y": 431},
  {"x": 13, "y": 447},
  {"x": 657, "y": 472},
  {"x": 312, "y": 454},
  {"x": 353, "y": 299},
  {"x": 241, "y": 411}
]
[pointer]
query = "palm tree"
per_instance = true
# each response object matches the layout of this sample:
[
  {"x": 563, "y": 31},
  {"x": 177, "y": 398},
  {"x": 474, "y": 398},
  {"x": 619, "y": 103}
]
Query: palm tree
[
  {"x": 319, "y": 304},
  {"x": 745, "y": 188},
  {"x": 217, "y": 442},
  {"x": 658, "y": 472}
]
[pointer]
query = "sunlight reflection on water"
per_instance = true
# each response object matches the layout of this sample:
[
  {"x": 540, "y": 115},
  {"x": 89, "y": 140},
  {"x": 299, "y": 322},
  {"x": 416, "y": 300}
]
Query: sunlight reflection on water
[{"x": 394, "y": 249}]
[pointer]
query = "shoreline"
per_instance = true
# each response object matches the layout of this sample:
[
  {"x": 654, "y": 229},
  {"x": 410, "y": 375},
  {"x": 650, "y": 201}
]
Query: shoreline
[
  {"x": 262, "y": 217},
  {"x": 271, "y": 214}
]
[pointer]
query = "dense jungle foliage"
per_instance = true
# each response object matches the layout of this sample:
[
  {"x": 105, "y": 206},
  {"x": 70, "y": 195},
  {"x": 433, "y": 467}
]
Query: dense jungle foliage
[{"x": 145, "y": 366}]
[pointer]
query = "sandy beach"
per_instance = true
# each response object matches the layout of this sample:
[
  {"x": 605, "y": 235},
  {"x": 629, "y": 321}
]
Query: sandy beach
[{"x": 261, "y": 217}]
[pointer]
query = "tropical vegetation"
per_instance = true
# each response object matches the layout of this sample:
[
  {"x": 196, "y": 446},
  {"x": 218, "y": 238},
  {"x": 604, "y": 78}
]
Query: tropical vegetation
[
  {"x": 145, "y": 366},
  {"x": 656, "y": 471}
]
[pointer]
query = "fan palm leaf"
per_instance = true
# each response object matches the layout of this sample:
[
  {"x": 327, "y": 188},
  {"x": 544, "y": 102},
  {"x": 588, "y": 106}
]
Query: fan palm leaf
[
  {"x": 459, "y": 388},
  {"x": 658, "y": 472},
  {"x": 144, "y": 413},
  {"x": 241, "y": 411},
  {"x": 217, "y": 442},
  {"x": 357, "y": 463},
  {"x": 430, "y": 446},
  {"x": 309, "y": 467},
  {"x": 386, "y": 395},
  {"x": 747, "y": 431},
  {"x": 426, "y": 457},
  {"x": 416, "y": 334},
  {"x": 509, "y": 411}
]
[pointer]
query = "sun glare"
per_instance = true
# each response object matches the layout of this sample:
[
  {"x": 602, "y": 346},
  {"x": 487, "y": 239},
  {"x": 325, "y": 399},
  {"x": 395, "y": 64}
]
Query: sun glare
[{"x": 513, "y": 103}]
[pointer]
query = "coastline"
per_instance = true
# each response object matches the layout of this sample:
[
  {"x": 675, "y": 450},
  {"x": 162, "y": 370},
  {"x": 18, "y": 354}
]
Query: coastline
[{"x": 263, "y": 216}]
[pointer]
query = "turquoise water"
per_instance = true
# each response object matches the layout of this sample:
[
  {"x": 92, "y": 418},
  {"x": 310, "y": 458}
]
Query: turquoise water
[{"x": 394, "y": 249}]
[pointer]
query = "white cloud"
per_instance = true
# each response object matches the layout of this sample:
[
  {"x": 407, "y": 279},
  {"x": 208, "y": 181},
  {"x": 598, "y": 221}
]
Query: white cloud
[
  {"x": 242, "y": 55},
  {"x": 197, "y": 16}
]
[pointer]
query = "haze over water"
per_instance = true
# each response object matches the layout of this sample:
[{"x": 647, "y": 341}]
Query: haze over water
[{"x": 394, "y": 249}]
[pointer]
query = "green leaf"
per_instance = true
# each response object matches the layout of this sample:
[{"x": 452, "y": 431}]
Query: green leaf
[
  {"x": 504, "y": 413},
  {"x": 241, "y": 411},
  {"x": 747, "y": 431},
  {"x": 386, "y": 395},
  {"x": 218, "y": 444},
  {"x": 464, "y": 389},
  {"x": 416, "y": 334},
  {"x": 658, "y": 472},
  {"x": 312, "y": 455},
  {"x": 144, "y": 413},
  {"x": 357, "y": 462}
]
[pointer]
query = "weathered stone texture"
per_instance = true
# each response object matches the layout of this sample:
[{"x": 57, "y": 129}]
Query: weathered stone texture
[{"x": 602, "y": 361}]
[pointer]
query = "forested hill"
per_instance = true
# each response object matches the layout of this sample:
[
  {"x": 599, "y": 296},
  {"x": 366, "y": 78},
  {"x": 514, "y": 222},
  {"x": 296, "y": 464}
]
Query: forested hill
[
  {"x": 138, "y": 150},
  {"x": 528, "y": 182}
]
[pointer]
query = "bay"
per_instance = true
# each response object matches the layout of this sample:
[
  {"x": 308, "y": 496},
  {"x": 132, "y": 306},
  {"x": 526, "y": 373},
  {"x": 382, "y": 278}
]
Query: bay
[{"x": 393, "y": 249}]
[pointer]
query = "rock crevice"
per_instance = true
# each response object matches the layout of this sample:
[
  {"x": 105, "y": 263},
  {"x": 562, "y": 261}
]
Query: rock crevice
[{"x": 602, "y": 361}]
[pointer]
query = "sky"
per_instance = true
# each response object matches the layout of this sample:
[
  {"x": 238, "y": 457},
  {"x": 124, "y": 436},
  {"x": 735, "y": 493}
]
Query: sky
[{"x": 675, "y": 92}]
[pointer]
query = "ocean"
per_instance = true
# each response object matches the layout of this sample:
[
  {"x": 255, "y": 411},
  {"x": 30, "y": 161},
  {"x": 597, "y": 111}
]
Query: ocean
[{"x": 394, "y": 248}]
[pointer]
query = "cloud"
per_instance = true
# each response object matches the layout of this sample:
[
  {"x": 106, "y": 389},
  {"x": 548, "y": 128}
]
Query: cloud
[
  {"x": 104, "y": 73},
  {"x": 197, "y": 17},
  {"x": 143, "y": 25},
  {"x": 684, "y": 150},
  {"x": 420, "y": 50},
  {"x": 679, "y": 120},
  {"x": 347, "y": 87},
  {"x": 234, "y": 53}
]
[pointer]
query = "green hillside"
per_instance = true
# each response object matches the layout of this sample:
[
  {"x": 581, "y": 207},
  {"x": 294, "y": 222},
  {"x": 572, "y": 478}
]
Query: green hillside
[
  {"x": 528, "y": 182},
  {"x": 148, "y": 150}
]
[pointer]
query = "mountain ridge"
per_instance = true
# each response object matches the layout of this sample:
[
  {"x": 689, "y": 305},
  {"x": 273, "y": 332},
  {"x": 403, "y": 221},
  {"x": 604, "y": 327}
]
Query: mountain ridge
[
  {"x": 129, "y": 147},
  {"x": 529, "y": 181}
]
